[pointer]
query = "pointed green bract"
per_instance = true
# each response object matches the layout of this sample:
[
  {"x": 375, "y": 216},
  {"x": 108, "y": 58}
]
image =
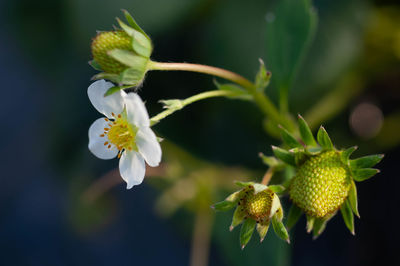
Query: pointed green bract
[
  {"x": 140, "y": 43},
  {"x": 284, "y": 155},
  {"x": 323, "y": 139},
  {"x": 348, "y": 217},
  {"x": 280, "y": 229},
  {"x": 277, "y": 188},
  {"x": 293, "y": 216},
  {"x": 133, "y": 23},
  {"x": 224, "y": 205},
  {"x": 131, "y": 76},
  {"x": 319, "y": 227},
  {"x": 246, "y": 232},
  {"x": 109, "y": 76},
  {"x": 115, "y": 89},
  {"x": 366, "y": 161},
  {"x": 262, "y": 230},
  {"x": 263, "y": 77},
  {"x": 93, "y": 63},
  {"x": 238, "y": 217},
  {"x": 345, "y": 155},
  {"x": 305, "y": 132},
  {"x": 244, "y": 184},
  {"x": 353, "y": 198},
  {"x": 310, "y": 223},
  {"x": 289, "y": 139},
  {"x": 360, "y": 175},
  {"x": 129, "y": 58}
]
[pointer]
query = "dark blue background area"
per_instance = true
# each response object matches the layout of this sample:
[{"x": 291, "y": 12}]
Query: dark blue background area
[{"x": 45, "y": 163}]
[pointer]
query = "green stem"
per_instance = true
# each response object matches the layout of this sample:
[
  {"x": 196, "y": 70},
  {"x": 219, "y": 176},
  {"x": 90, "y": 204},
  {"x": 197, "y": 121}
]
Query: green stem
[
  {"x": 263, "y": 102},
  {"x": 182, "y": 103}
]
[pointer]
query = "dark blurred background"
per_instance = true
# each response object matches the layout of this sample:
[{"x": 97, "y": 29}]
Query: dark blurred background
[{"x": 46, "y": 218}]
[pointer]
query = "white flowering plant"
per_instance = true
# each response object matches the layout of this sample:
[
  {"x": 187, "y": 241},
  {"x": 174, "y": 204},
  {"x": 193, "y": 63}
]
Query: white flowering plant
[{"x": 319, "y": 179}]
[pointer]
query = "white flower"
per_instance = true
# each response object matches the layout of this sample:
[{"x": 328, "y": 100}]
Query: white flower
[{"x": 124, "y": 132}]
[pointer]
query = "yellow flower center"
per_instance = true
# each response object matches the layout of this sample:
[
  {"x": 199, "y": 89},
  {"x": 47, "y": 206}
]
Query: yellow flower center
[
  {"x": 257, "y": 206},
  {"x": 120, "y": 133}
]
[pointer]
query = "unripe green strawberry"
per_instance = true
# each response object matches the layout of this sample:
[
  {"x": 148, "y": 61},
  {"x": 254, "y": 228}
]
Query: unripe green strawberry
[
  {"x": 321, "y": 184},
  {"x": 257, "y": 206},
  {"x": 107, "y": 41}
]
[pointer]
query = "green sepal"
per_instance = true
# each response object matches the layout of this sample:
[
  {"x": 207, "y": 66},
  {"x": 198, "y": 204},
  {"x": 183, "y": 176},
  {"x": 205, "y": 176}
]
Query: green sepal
[
  {"x": 280, "y": 229},
  {"x": 289, "y": 139},
  {"x": 360, "y": 175},
  {"x": 246, "y": 231},
  {"x": 108, "y": 76},
  {"x": 243, "y": 184},
  {"x": 313, "y": 150},
  {"x": 284, "y": 155},
  {"x": 310, "y": 223},
  {"x": 131, "y": 76},
  {"x": 115, "y": 89},
  {"x": 353, "y": 198},
  {"x": 93, "y": 63},
  {"x": 141, "y": 44},
  {"x": 224, "y": 205},
  {"x": 366, "y": 161},
  {"x": 277, "y": 188},
  {"x": 262, "y": 229},
  {"x": 345, "y": 155},
  {"x": 319, "y": 227},
  {"x": 305, "y": 132},
  {"x": 323, "y": 139},
  {"x": 293, "y": 216},
  {"x": 271, "y": 161},
  {"x": 238, "y": 217},
  {"x": 263, "y": 77},
  {"x": 299, "y": 156},
  {"x": 129, "y": 58},
  {"x": 132, "y": 22},
  {"x": 348, "y": 217}
]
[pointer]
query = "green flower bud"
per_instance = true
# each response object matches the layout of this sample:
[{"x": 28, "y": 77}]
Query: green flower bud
[{"x": 123, "y": 55}]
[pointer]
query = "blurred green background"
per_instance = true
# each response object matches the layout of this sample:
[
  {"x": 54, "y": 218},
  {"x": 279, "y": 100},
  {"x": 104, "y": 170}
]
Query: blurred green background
[{"x": 52, "y": 215}]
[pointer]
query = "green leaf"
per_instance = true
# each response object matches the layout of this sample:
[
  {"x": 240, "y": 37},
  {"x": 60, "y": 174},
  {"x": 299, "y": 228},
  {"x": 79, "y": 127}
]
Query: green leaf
[
  {"x": 133, "y": 23},
  {"x": 284, "y": 155},
  {"x": 360, "y": 175},
  {"x": 348, "y": 217},
  {"x": 310, "y": 223},
  {"x": 345, "y": 155},
  {"x": 289, "y": 139},
  {"x": 262, "y": 230},
  {"x": 280, "y": 229},
  {"x": 246, "y": 232},
  {"x": 263, "y": 77},
  {"x": 271, "y": 161},
  {"x": 238, "y": 217},
  {"x": 323, "y": 139},
  {"x": 289, "y": 32},
  {"x": 115, "y": 89},
  {"x": 131, "y": 76},
  {"x": 93, "y": 63},
  {"x": 293, "y": 216},
  {"x": 277, "y": 188},
  {"x": 129, "y": 59},
  {"x": 224, "y": 205},
  {"x": 366, "y": 161},
  {"x": 305, "y": 132},
  {"x": 353, "y": 198}
]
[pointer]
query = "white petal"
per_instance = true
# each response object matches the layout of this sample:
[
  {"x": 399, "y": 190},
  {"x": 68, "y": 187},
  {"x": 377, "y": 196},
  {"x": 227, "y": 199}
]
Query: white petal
[
  {"x": 136, "y": 111},
  {"x": 132, "y": 168},
  {"x": 148, "y": 146},
  {"x": 113, "y": 103},
  {"x": 96, "y": 143}
]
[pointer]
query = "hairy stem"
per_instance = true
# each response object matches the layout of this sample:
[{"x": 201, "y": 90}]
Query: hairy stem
[
  {"x": 262, "y": 101},
  {"x": 182, "y": 103}
]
